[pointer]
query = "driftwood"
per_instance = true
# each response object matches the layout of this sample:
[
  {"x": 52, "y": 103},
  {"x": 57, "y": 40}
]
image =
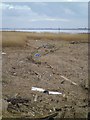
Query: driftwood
[
  {"x": 47, "y": 117},
  {"x": 68, "y": 80},
  {"x": 17, "y": 100}
]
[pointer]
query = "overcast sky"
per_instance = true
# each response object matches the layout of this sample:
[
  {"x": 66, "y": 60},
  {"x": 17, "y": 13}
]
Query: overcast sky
[{"x": 44, "y": 14}]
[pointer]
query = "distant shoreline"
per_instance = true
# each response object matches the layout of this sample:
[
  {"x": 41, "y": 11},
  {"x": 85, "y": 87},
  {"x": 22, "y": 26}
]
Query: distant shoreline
[{"x": 72, "y": 31}]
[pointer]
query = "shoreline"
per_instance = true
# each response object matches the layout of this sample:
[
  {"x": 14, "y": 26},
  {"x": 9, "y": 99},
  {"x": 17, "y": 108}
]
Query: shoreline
[{"x": 51, "y": 31}]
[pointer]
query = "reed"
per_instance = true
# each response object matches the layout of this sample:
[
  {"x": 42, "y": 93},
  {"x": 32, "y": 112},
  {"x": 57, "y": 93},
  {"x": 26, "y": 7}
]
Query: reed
[{"x": 19, "y": 39}]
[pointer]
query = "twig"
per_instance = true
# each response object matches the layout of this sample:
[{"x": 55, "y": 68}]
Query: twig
[{"x": 68, "y": 80}]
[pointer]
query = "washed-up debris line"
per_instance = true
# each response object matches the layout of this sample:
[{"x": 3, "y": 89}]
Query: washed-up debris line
[
  {"x": 41, "y": 51},
  {"x": 28, "y": 109}
]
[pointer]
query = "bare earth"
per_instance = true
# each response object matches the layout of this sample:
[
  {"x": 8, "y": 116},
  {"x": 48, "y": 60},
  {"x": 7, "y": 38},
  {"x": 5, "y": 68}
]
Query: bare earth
[{"x": 58, "y": 61}]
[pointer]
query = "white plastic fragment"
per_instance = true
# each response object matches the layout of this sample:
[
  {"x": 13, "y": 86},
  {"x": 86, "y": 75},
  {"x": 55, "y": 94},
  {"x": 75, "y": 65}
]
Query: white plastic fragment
[
  {"x": 38, "y": 89},
  {"x": 3, "y": 53},
  {"x": 55, "y": 93},
  {"x": 35, "y": 99},
  {"x": 42, "y": 90}
]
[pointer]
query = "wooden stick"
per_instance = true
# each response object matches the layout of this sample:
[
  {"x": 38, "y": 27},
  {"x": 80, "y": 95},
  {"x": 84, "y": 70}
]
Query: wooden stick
[{"x": 68, "y": 80}]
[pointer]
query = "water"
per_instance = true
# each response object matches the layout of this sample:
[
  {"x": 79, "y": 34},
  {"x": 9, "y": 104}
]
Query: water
[
  {"x": 51, "y": 31},
  {"x": 56, "y": 31}
]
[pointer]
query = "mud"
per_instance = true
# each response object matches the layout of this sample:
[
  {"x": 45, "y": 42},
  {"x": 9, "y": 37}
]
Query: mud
[{"x": 22, "y": 70}]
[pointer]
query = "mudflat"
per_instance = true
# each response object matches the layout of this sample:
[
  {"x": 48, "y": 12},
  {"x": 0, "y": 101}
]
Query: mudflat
[{"x": 54, "y": 64}]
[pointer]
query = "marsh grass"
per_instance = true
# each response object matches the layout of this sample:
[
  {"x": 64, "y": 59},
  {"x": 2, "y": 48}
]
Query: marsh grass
[
  {"x": 19, "y": 39},
  {"x": 13, "y": 39},
  {"x": 60, "y": 36}
]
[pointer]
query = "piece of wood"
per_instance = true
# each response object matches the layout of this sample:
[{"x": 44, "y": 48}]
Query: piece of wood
[{"x": 68, "y": 80}]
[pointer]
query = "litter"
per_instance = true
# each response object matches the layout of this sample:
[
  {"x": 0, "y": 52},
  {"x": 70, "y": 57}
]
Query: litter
[
  {"x": 37, "y": 55},
  {"x": 3, "y": 53},
  {"x": 45, "y": 91},
  {"x": 35, "y": 99},
  {"x": 68, "y": 80},
  {"x": 55, "y": 93},
  {"x": 37, "y": 89}
]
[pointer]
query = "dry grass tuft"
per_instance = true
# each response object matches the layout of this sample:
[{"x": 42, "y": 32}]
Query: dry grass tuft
[{"x": 18, "y": 39}]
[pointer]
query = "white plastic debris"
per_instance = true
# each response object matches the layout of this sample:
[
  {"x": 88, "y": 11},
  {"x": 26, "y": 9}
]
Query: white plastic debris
[
  {"x": 3, "y": 53},
  {"x": 38, "y": 89},
  {"x": 55, "y": 93},
  {"x": 35, "y": 99},
  {"x": 42, "y": 90}
]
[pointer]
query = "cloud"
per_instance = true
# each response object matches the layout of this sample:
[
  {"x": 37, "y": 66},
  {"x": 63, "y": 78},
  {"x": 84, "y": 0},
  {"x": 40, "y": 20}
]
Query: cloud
[
  {"x": 16, "y": 7},
  {"x": 41, "y": 14},
  {"x": 46, "y": 0},
  {"x": 40, "y": 3},
  {"x": 50, "y": 19},
  {"x": 69, "y": 11}
]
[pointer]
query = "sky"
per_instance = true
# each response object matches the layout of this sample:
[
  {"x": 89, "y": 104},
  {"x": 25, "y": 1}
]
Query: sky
[{"x": 44, "y": 14}]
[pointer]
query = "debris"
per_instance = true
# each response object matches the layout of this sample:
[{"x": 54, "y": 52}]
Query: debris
[
  {"x": 74, "y": 42},
  {"x": 21, "y": 61},
  {"x": 35, "y": 99},
  {"x": 64, "y": 95},
  {"x": 55, "y": 93},
  {"x": 5, "y": 105},
  {"x": 37, "y": 55},
  {"x": 46, "y": 91},
  {"x": 49, "y": 66},
  {"x": 88, "y": 115},
  {"x": 17, "y": 100},
  {"x": 13, "y": 68},
  {"x": 48, "y": 46},
  {"x": 38, "y": 89},
  {"x": 3, "y": 53},
  {"x": 58, "y": 109},
  {"x": 50, "y": 117},
  {"x": 37, "y": 74},
  {"x": 14, "y": 74},
  {"x": 68, "y": 80},
  {"x": 50, "y": 75},
  {"x": 54, "y": 109},
  {"x": 62, "y": 81},
  {"x": 34, "y": 59}
]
